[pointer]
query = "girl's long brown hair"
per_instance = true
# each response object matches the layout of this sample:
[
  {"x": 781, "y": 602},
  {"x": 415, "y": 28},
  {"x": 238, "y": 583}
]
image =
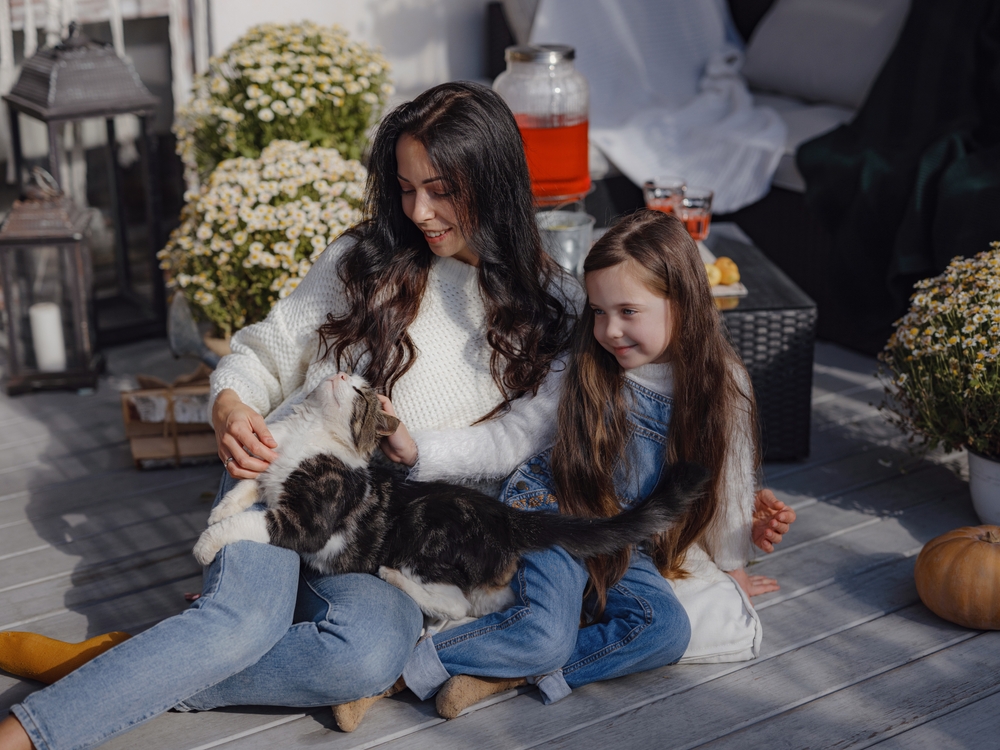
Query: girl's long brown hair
[
  {"x": 472, "y": 140},
  {"x": 593, "y": 423}
]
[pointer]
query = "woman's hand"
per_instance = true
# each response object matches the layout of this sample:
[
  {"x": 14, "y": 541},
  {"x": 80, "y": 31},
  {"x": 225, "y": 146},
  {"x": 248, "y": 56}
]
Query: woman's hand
[
  {"x": 771, "y": 519},
  {"x": 398, "y": 446},
  {"x": 754, "y": 585},
  {"x": 241, "y": 434}
]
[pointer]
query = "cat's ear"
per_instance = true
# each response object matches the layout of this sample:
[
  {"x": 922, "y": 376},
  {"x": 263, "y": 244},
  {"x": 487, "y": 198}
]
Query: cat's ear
[{"x": 386, "y": 424}]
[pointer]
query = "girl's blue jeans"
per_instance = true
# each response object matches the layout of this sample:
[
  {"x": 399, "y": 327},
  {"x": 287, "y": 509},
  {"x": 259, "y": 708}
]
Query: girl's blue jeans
[
  {"x": 262, "y": 633},
  {"x": 643, "y": 627}
]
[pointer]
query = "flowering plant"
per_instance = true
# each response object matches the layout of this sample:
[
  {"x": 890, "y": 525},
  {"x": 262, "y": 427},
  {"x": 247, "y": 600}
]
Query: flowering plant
[
  {"x": 302, "y": 82},
  {"x": 943, "y": 360},
  {"x": 251, "y": 234}
]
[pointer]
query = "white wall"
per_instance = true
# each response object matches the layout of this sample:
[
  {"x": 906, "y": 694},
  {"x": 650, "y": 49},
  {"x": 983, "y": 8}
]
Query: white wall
[{"x": 426, "y": 41}]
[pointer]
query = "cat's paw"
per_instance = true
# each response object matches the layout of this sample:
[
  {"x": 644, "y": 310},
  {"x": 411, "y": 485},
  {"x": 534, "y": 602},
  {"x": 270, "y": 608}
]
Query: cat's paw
[
  {"x": 206, "y": 549},
  {"x": 221, "y": 511},
  {"x": 391, "y": 575}
]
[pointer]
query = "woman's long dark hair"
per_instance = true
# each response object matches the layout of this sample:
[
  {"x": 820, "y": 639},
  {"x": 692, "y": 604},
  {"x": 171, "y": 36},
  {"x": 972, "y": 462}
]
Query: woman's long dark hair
[
  {"x": 593, "y": 423},
  {"x": 472, "y": 140}
]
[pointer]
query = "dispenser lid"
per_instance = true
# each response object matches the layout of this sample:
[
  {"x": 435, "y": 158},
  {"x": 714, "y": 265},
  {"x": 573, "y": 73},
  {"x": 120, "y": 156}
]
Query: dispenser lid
[{"x": 547, "y": 54}]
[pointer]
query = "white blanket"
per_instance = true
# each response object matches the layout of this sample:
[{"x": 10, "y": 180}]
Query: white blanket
[
  {"x": 724, "y": 625},
  {"x": 666, "y": 94}
]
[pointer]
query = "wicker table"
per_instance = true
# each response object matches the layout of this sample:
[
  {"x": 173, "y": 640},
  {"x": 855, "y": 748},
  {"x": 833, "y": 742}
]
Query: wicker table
[{"x": 774, "y": 329}]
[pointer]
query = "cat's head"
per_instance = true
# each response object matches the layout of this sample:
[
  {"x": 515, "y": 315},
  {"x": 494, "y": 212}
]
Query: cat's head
[{"x": 352, "y": 413}]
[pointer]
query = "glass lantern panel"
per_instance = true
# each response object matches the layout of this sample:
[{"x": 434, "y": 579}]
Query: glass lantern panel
[{"x": 48, "y": 325}]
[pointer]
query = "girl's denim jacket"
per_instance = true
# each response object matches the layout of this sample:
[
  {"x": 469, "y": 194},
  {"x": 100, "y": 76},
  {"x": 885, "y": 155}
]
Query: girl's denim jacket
[{"x": 530, "y": 487}]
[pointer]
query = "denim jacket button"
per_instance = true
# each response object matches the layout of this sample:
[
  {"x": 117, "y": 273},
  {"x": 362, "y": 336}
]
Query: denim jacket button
[
  {"x": 536, "y": 468},
  {"x": 522, "y": 485}
]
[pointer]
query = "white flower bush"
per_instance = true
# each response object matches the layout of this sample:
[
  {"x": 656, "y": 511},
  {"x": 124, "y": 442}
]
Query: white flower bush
[
  {"x": 943, "y": 360},
  {"x": 302, "y": 82},
  {"x": 249, "y": 236}
]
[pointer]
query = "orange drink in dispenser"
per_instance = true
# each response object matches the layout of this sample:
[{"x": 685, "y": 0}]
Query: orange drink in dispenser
[{"x": 550, "y": 100}]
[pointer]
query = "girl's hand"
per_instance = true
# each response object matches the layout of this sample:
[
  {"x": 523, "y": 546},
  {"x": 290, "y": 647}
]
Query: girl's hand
[
  {"x": 771, "y": 519},
  {"x": 754, "y": 585},
  {"x": 241, "y": 434},
  {"x": 398, "y": 446}
]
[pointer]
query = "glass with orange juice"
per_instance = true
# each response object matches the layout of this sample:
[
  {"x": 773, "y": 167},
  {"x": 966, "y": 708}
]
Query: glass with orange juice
[
  {"x": 695, "y": 210},
  {"x": 663, "y": 193}
]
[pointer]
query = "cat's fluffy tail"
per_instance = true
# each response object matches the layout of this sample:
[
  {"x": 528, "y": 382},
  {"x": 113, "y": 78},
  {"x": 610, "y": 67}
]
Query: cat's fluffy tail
[{"x": 589, "y": 537}]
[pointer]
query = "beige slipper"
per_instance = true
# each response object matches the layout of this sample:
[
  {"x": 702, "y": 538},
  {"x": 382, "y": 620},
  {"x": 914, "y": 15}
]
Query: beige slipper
[
  {"x": 462, "y": 690},
  {"x": 349, "y": 715}
]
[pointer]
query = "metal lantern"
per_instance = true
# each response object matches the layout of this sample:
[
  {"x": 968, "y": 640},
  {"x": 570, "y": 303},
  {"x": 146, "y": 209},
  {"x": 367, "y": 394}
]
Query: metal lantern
[
  {"x": 47, "y": 309},
  {"x": 81, "y": 79}
]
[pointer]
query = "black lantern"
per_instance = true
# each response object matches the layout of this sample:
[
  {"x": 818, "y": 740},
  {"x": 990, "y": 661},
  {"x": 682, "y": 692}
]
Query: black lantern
[
  {"x": 47, "y": 311},
  {"x": 81, "y": 79}
]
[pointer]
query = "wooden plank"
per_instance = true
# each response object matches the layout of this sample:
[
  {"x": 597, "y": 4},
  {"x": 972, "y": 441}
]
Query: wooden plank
[
  {"x": 97, "y": 582},
  {"x": 68, "y": 528},
  {"x": 882, "y": 542},
  {"x": 968, "y": 727},
  {"x": 843, "y": 475},
  {"x": 885, "y": 705},
  {"x": 225, "y": 727},
  {"x": 868, "y": 504},
  {"x": 125, "y": 486},
  {"x": 133, "y": 612},
  {"x": 46, "y": 560}
]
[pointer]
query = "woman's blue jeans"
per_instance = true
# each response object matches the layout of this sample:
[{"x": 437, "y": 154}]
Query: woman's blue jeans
[
  {"x": 237, "y": 645},
  {"x": 643, "y": 627}
]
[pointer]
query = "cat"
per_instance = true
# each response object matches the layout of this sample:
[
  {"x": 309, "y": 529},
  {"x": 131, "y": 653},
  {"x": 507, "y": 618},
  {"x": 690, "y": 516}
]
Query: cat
[{"x": 453, "y": 549}]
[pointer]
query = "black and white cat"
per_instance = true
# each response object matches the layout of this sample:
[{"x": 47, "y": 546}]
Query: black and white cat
[{"x": 453, "y": 549}]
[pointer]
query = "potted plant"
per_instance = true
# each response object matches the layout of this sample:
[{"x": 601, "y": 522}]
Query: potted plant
[
  {"x": 942, "y": 370},
  {"x": 249, "y": 236},
  {"x": 301, "y": 82}
]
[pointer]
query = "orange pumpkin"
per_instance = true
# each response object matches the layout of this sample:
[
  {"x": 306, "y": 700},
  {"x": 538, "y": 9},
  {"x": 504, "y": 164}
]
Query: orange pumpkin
[{"x": 958, "y": 576}]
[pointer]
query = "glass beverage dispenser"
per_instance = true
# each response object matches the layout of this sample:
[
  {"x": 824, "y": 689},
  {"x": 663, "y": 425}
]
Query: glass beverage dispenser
[{"x": 549, "y": 99}]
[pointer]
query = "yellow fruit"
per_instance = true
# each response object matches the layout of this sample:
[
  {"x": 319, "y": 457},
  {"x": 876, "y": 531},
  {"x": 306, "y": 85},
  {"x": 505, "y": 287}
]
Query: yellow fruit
[
  {"x": 714, "y": 274},
  {"x": 729, "y": 269}
]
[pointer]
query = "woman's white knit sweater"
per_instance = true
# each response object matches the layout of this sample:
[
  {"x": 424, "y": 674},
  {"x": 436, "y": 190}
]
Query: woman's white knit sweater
[{"x": 275, "y": 363}]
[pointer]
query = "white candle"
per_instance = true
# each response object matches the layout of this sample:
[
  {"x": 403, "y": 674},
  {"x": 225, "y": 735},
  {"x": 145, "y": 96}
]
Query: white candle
[{"x": 47, "y": 336}]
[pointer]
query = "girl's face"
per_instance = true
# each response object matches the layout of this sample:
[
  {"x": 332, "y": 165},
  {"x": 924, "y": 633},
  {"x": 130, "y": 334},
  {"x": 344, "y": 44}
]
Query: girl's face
[
  {"x": 428, "y": 204},
  {"x": 630, "y": 320}
]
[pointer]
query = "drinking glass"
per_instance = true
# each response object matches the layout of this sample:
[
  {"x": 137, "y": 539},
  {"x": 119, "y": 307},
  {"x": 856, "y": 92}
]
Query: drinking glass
[
  {"x": 695, "y": 210},
  {"x": 566, "y": 237},
  {"x": 663, "y": 193}
]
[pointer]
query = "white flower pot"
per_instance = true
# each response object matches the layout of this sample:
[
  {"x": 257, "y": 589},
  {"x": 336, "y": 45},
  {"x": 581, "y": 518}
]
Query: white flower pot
[{"x": 984, "y": 486}]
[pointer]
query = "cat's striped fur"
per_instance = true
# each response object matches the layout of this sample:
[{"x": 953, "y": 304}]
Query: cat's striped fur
[{"x": 453, "y": 549}]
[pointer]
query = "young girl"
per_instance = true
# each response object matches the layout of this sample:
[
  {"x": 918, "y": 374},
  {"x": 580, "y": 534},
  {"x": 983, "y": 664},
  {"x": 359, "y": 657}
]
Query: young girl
[
  {"x": 444, "y": 300},
  {"x": 652, "y": 380}
]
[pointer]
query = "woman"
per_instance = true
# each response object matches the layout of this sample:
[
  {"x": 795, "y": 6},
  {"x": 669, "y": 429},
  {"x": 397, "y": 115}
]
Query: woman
[{"x": 444, "y": 301}]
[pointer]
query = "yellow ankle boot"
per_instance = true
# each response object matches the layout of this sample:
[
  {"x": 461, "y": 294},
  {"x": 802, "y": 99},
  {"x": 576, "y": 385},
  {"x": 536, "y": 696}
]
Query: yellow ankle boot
[{"x": 46, "y": 659}]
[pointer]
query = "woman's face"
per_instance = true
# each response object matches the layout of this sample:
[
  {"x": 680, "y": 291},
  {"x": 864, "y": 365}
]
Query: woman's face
[{"x": 428, "y": 204}]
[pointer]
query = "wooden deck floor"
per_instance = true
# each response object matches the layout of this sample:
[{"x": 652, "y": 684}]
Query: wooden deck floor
[{"x": 850, "y": 656}]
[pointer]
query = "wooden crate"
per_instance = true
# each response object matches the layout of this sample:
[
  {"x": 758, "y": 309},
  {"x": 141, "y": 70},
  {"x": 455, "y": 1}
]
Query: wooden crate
[{"x": 154, "y": 443}]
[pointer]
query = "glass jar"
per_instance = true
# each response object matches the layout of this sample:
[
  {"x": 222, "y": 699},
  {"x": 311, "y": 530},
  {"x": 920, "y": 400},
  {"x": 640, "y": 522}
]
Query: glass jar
[{"x": 550, "y": 100}]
